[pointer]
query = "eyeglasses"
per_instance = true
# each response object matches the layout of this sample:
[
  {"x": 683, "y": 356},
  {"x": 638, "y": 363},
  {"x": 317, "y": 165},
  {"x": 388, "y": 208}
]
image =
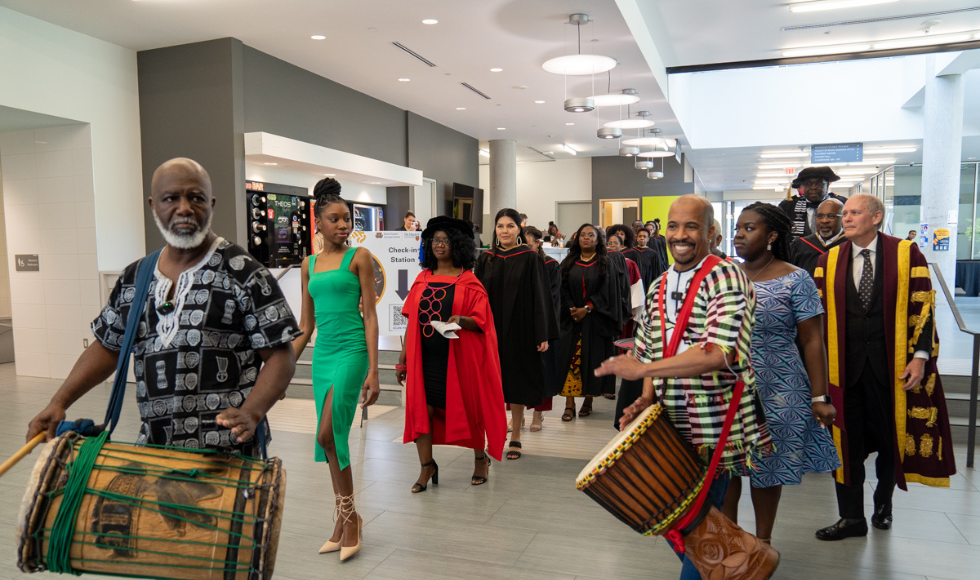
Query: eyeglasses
[
  {"x": 440, "y": 242},
  {"x": 813, "y": 183},
  {"x": 821, "y": 216}
]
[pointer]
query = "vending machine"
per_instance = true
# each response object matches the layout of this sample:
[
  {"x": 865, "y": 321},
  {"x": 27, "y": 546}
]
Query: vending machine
[{"x": 280, "y": 223}]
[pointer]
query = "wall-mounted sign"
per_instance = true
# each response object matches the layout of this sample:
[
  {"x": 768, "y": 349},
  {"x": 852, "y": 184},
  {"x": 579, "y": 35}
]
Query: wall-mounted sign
[
  {"x": 837, "y": 153},
  {"x": 27, "y": 263},
  {"x": 923, "y": 235},
  {"x": 940, "y": 240}
]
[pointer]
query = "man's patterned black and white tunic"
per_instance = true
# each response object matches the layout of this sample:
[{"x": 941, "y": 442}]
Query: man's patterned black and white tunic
[{"x": 198, "y": 360}]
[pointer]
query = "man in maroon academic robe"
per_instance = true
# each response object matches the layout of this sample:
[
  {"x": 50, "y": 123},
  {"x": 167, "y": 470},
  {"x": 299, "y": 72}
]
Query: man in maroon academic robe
[{"x": 881, "y": 350}]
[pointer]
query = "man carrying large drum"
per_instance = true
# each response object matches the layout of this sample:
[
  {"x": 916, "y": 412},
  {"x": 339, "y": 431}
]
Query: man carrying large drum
[
  {"x": 212, "y": 353},
  {"x": 653, "y": 476}
]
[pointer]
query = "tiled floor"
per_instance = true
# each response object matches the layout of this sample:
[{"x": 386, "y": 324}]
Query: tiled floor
[{"x": 528, "y": 521}]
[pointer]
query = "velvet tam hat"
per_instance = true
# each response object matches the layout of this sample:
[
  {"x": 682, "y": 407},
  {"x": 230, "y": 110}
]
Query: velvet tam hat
[
  {"x": 445, "y": 223},
  {"x": 825, "y": 173}
]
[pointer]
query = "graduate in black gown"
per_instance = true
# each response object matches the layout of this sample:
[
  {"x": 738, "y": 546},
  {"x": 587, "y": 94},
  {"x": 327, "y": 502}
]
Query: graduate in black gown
[
  {"x": 658, "y": 243},
  {"x": 594, "y": 308},
  {"x": 523, "y": 314},
  {"x": 535, "y": 241},
  {"x": 655, "y": 266}
]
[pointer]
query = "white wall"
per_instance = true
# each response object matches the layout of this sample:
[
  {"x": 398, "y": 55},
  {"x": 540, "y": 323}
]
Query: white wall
[
  {"x": 539, "y": 186},
  {"x": 4, "y": 274},
  {"x": 49, "y": 206},
  {"x": 55, "y": 71}
]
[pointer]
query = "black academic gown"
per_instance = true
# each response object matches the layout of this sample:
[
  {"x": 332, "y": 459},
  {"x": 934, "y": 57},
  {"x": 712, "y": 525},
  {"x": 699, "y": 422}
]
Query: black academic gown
[
  {"x": 650, "y": 265},
  {"x": 659, "y": 244},
  {"x": 584, "y": 284},
  {"x": 552, "y": 355},
  {"x": 523, "y": 313},
  {"x": 804, "y": 252}
]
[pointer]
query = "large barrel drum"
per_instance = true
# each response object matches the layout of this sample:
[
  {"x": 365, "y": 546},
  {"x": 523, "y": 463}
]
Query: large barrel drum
[{"x": 156, "y": 512}]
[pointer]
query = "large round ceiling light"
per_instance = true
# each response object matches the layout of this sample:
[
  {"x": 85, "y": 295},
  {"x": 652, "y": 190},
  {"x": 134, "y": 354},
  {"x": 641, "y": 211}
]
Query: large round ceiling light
[
  {"x": 656, "y": 154},
  {"x": 579, "y": 64},
  {"x": 645, "y": 141},
  {"x": 627, "y": 97},
  {"x": 629, "y": 124}
]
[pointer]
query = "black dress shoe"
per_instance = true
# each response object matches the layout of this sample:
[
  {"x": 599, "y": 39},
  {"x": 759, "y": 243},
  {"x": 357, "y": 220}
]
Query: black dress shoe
[
  {"x": 882, "y": 518},
  {"x": 844, "y": 528}
]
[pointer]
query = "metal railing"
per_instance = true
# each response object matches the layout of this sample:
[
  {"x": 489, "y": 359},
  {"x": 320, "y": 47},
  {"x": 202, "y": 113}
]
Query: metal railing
[{"x": 971, "y": 433}]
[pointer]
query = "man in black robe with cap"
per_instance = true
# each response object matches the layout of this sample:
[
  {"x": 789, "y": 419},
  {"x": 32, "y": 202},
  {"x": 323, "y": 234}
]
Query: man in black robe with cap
[{"x": 813, "y": 183}]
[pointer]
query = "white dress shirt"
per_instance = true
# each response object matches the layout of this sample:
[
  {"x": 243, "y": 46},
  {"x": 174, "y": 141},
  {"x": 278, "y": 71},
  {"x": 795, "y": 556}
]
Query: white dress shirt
[{"x": 857, "y": 268}]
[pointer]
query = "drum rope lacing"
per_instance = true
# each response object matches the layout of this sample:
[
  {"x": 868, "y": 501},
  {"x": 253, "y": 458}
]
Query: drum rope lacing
[{"x": 62, "y": 533}]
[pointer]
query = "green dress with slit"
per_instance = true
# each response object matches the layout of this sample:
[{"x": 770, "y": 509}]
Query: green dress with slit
[{"x": 340, "y": 358}]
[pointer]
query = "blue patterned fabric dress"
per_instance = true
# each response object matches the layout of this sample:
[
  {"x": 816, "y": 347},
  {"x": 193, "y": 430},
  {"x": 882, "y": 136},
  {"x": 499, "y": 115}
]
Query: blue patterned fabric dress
[{"x": 801, "y": 446}]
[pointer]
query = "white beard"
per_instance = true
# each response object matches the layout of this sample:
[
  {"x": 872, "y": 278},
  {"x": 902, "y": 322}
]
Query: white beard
[{"x": 184, "y": 241}]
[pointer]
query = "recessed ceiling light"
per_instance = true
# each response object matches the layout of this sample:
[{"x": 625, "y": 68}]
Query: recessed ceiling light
[
  {"x": 330, "y": 174},
  {"x": 404, "y": 80},
  {"x": 569, "y": 123},
  {"x": 460, "y": 108},
  {"x": 496, "y": 70},
  {"x": 501, "y": 128},
  {"x": 784, "y": 154},
  {"x": 539, "y": 102},
  {"x": 318, "y": 37},
  {"x": 569, "y": 148},
  {"x": 430, "y": 21},
  {"x": 267, "y": 163},
  {"x": 820, "y": 5}
]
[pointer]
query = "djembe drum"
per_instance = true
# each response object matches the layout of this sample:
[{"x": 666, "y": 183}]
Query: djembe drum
[
  {"x": 649, "y": 477},
  {"x": 151, "y": 512}
]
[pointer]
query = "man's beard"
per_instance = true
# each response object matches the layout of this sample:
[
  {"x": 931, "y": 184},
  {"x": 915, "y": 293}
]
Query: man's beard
[{"x": 184, "y": 241}]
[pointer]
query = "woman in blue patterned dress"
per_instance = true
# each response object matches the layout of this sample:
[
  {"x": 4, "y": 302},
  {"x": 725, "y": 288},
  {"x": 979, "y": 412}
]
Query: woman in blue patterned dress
[{"x": 794, "y": 394}]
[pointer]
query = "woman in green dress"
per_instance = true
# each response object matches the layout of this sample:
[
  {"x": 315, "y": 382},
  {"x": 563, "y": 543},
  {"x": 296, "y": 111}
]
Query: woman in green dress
[{"x": 345, "y": 359}]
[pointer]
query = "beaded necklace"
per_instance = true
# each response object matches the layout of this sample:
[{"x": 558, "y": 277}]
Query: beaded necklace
[{"x": 432, "y": 297}]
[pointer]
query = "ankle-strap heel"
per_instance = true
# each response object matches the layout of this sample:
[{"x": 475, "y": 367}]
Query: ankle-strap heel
[{"x": 418, "y": 487}]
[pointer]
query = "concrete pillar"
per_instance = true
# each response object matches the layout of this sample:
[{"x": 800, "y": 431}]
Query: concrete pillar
[
  {"x": 503, "y": 176},
  {"x": 942, "y": 146}
]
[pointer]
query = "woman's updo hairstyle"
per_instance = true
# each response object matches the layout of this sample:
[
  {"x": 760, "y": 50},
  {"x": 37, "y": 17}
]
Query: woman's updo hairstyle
[
  {"x": 776, "y": 221},
  {"x": 326, "y": 192}
]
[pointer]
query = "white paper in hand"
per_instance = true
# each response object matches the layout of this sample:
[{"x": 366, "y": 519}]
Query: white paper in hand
[{"x": 446, "y": 329}]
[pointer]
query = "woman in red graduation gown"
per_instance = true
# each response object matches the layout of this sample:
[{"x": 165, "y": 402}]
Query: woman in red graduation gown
[{"x": 453, "y": 392}]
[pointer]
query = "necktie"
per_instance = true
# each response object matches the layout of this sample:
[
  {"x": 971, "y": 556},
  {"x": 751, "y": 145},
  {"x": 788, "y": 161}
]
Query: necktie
[{"x": 867, "y": 279}]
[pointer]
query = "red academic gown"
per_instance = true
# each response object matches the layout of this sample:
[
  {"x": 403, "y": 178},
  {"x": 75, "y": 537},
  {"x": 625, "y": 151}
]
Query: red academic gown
[
  {"x": 474, "y": 414},
  {"x": 922, "y": 443}
]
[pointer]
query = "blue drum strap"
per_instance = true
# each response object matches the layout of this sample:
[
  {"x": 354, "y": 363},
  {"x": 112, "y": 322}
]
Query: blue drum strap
[{"x": 144, "y": 275}]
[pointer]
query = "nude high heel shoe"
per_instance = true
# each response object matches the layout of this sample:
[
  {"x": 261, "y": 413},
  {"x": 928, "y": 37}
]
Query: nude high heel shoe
[
  {"x": 333, "y": 546},
  {"x": 347, "y": 510}
]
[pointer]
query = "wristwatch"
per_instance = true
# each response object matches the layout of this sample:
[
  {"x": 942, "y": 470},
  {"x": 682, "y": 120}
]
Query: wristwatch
[
  {"x": 820, "y": 399},
  {"x": 588, "y": 309}
]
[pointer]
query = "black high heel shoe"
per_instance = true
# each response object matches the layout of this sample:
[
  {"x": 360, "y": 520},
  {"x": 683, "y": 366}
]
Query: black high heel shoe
[
  {"x": 476, "y": 480},
  {"x": 418, "y": 487}
]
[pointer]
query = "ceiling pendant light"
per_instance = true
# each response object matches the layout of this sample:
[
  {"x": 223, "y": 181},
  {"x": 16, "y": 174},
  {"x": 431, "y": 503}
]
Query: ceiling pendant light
[
  {"x": 641, "y": 123},
  {"x": 580, "y": 105},
  {"x": 654, "y": 141},
  {"x": 609, "y": 133},
  {"x": 653, "y": 174},
  {"x": 626, "y": 97},
  {"x": 579, "y": 64},
  {"x": 628, "y": 151},
  {"x": 643, "y": 164}
]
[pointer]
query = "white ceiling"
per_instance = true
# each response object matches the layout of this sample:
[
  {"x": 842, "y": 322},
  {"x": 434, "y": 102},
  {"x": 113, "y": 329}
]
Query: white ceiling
[
  {"x": 472, "y": 37},
  {"x": 752, "y": 29}
]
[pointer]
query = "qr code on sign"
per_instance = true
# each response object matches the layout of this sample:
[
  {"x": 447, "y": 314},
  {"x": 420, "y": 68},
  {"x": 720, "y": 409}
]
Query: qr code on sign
[{"x": 398, "y": 322}]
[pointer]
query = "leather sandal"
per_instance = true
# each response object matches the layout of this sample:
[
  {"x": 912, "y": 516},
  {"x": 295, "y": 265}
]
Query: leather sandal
[
  {"x": 418, "y": 487},
  {"x": 568, "y": 415},
  {"x": 514, "y": 453},
  {"x": 586, "y": 409},
  {"x": 477, "y": 480}
]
